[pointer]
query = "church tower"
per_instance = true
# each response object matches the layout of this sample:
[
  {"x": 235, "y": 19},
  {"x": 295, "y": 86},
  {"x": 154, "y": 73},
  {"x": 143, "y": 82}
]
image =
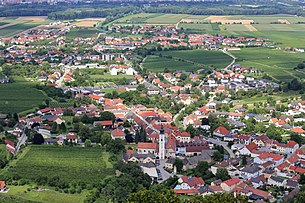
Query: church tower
[{"x": 161, "y": 144}]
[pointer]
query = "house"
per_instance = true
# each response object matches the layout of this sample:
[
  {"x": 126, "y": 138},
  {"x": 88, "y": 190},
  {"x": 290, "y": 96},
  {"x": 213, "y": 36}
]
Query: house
[
  {"x": 276, "y": 181},
  {"x": 230, "y": 184},
  {"x": 250, "y": 171},
  {"x": 118, "y": 134},
  {"x": 72, "y": 138},
  {"x": 265, "y": 157},
  {"x": 103, "y": 124},
  {"x": 139, "y": 158},
  {"x": 145, "y": 148},
  {"x": 182, "y": 136},
  {"x": 187, "y": 183},
  {"x": 249, "y": 150},
  {"x": 221, "y": 131}
]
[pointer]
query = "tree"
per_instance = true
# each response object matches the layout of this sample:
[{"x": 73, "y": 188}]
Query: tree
[
  {"x": 217, "y": 156},
  {"x": 38, "y": 139},
  {"x": 116, "y": 146},
  {"x": 295, "y": 84},
  {"x": 222, "y": 174},
  {"x": 63, "y": 127},
  {"x": 107, "y": 116},
  {"x": 244, "y": 161},
  {"x": 105, "y": 138},
  {"x": 15, "y": 116},
  {"x": 191, "y": 130},
  {"x": 297, "y": 138},
  {"x": 299, "y": 197},
  {"x": 148, "y": 196},
  {"x": 179, "y": 165},
  {"x": 88, "y": 143}
]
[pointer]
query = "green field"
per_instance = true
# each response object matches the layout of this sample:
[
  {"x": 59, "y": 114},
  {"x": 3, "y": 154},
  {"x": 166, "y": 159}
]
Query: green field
[
  {"x": 15, "y": 29},
  {"x": 19, "y": 96},
  {"x": 158, "y": 64},
  {"x": 189, "y": 60},
  {"x": 82, "y": 32},
  {"x": 278, "y": 64},
  {"x": 71, "y": 164},
  {"x": 20, "y": 193}
]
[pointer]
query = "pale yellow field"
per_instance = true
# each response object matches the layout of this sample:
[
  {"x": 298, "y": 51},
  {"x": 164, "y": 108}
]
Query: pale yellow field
[
  {"x": 88, "y": 22},
  {"x": 37, "y": 19},
  {"x": 225, "y": 20},
  {"x": 284, "y": 21}
]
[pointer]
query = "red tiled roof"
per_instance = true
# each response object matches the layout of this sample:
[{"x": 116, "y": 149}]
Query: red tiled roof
[
  {"x": 252, "y": 146},
  {"x": 147, "y": 145},
  {"x": 222, "y": 130},
  {"x": 95, "y": 97},
  {"x": 118, "y": 133},
  {"x": 193, "y": 181},
  {"x": 186, "y": 191},
  {"x": 105, "y": 123},
  {"x": 298, "y": 130},
  {"x": 232, "y": 181}
]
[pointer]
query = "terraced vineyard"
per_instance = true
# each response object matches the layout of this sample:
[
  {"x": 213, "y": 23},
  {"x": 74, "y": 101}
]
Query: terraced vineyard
[{"x": 71, "y": 164}]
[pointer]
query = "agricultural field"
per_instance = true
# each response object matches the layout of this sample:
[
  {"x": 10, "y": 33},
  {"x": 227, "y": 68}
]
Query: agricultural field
[
  {"x": 277, "y": 63},
  {"x": 88, "y": 22},
  {"x": 71, "y": 164},
  {"x": 82, "y": 32},
  {"x": 19, "y": 96},
  {"x": 10, "y": 26},
  {"x": 158, "y": 64},
  {"x": 15, "y": 29},
  {"x": 189, "y": 60}
]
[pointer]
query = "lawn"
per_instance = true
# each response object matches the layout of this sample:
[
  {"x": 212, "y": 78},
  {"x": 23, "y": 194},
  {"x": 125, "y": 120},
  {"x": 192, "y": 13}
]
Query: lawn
[
  {"x": 15, "y": 29},
  {"x": 278, "y": 64},
  {"x": 19, "y": 96},
  {"x": 71, "y": 164},
  {"x": 47, "y": 196}
]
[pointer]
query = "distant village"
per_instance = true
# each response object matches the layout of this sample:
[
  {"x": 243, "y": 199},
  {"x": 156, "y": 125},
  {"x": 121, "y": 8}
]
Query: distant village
[{"x": 210, "y": 127}]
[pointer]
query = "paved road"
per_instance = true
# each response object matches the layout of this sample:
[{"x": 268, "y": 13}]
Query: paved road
[
  {"x": 165, "y": 175},
  {"x": 21, "y": 140},
  {"x": 224, "y": 144}
]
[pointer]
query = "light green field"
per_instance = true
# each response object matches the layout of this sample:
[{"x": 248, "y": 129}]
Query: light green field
[
  {"x": 47, "y": 196},
  {"x": 198, "y": 27},
  {"x": 278, "y": 64},
  {"x": 71, "y": 164},
  {"x": 19, "y": 96}
]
